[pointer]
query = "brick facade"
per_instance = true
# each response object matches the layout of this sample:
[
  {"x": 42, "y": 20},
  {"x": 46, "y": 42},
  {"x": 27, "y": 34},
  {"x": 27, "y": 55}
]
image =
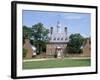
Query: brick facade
[
  {"x": 51, "y": 48},
  {"x": 87, "y": 48},
  {"x": 27, "y": 46}
]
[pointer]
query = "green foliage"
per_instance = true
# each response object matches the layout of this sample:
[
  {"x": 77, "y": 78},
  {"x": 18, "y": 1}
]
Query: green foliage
[
  {"x": 38, "y": 33},
  {"x": 75, "y": 43},
  {"x": 24, "y": 52},
  {"x": 27, "y": 33},
  {"x": 40, "y": 37}
]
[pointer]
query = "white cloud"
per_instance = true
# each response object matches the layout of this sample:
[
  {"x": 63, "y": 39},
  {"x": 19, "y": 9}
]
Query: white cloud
[{"x": 73, "y": 17}]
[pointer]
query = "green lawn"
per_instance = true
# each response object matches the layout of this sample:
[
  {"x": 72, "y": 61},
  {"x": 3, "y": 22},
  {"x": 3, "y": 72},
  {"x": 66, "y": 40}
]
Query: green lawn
[{"x": 57, "y": 63}]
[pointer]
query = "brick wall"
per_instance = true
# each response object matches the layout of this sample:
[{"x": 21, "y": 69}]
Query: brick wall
[
  {"x": 51, "y": 49},
  {"x": 27, "y": 46}
]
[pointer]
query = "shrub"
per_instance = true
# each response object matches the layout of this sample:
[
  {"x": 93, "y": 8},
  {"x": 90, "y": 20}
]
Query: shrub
[{"x": 24, "y": 52}]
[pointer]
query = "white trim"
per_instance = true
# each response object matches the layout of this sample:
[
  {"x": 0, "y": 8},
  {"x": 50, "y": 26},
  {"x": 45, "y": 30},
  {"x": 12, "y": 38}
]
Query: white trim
[{"x": 21, "y": 72}]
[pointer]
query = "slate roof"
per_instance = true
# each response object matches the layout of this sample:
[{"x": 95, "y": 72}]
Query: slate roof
[{"x": 58, "y": 36}]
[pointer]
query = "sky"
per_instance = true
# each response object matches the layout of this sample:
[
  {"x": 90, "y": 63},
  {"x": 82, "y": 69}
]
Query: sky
[{"x": 75, "y": 22}]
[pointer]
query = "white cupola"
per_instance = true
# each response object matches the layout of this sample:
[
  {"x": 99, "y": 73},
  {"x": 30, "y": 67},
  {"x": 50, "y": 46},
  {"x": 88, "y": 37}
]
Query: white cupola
[{"x": 58, "y": 27}]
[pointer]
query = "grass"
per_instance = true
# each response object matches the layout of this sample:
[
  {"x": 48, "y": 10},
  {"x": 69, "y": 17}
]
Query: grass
[{"x": 57, "y": 63}]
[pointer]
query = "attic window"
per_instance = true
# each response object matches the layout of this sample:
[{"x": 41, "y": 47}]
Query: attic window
[
  {"x": 66, "y": 38},
  {"x": 50, "y": 38},
  {"x": 54, "y": 39},
  {"x": 62, "y": 38},
  {"x": 58, "y": 38}
]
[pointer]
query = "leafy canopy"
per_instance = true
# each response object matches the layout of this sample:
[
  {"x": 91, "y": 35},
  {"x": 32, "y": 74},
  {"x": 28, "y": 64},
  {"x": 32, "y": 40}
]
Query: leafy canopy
[{"x": 75, "y": 43}]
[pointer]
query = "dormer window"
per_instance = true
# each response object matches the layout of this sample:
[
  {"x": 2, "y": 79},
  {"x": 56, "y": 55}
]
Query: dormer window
[
  {"x": 54, "y": 39},
  {"x": 58, "y": 38},
  {"x": 66, "y": 38},
  {"x": 50, "y": 38},
  {"x": 62, "y": 38}
]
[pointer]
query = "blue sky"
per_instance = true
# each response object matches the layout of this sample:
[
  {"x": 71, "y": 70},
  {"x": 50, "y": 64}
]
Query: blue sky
[{"x": 75, "y": 22}]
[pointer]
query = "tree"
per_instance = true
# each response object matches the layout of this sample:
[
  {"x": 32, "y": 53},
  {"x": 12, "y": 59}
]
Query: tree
[
  {"x": 40, "y": 36},
  {"x": 75, "y": 43},
  {"x": 27, "y": 33}
]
